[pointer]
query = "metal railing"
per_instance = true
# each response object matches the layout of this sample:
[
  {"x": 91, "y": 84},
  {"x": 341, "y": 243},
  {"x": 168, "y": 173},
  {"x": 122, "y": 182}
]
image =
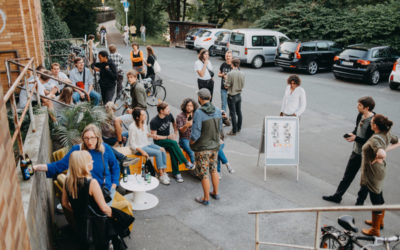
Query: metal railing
[
  {"x": 10, "y": 95},
  {"x": 317, "y": 210}
]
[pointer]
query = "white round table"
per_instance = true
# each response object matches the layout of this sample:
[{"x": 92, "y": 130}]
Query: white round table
[{"x": 141, "y": 200}]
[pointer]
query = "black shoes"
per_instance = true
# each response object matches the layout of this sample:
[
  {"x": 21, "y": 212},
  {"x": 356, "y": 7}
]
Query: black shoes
[{"x": 332, "y": 198}]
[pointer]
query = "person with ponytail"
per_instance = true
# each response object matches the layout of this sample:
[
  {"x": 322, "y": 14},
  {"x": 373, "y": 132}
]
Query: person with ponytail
[{"x": 373, "y": 168}]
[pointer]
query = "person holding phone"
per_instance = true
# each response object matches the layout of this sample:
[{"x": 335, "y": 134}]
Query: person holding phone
[
  {"x": 361, "y": 133},
  {"x": 184, "y": 122}
]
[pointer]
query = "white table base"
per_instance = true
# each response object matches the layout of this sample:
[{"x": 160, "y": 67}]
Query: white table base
[{"x": 143, "y": 201}]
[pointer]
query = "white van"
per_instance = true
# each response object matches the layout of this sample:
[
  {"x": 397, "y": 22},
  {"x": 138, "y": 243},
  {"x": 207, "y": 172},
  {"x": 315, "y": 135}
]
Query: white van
[{"x": 255, "y": 46}]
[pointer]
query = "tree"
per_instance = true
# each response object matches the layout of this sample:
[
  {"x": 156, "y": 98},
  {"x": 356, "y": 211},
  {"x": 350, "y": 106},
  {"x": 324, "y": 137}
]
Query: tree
[
  {"x": 79, "y": 15},
  {"x": 218, "y": 11}
]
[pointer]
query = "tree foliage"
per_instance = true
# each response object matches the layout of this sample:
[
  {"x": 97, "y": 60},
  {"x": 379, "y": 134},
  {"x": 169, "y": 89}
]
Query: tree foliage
[
  {"x": 217, "y": 11},
  {"x": 304, "y": 20},
  {"x": 79, "y": 15}
]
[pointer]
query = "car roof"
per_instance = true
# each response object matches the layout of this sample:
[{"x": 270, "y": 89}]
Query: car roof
[
  {"x": 365, "y": 46},
  {"x": 310, "y": 41},
  {"x": 216, "y": 30},
  {"x": 258, "y": 31}
]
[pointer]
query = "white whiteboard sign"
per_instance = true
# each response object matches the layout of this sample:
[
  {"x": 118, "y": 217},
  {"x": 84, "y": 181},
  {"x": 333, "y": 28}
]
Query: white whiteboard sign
[{"x": 281, "y": 140}]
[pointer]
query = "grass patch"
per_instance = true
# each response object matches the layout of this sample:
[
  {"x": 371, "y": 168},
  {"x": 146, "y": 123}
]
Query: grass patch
[{"x": 153, "y": 41}]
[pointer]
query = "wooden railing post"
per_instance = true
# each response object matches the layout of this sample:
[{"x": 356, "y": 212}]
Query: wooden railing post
[
  {"x": 316, "y": 240},
  {"x": 257, "y": 233}
]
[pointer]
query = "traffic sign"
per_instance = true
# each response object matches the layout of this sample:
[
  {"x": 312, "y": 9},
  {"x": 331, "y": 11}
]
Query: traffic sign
[
  {"x": 126, "y": 9},
  {"x": 126, "y": 5}
]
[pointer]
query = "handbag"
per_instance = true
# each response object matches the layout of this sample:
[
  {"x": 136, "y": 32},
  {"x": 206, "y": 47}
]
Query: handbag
[
  {"x": 104, "y": 189},
  {"x": 156, "y": 67}
]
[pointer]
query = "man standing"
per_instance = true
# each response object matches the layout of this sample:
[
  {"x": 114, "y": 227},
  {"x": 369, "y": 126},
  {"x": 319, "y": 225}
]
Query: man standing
[
  {"x": 108, "y": 76},
  {"x": 138, "y": 93},
  {"x": 143, "y": 33},
  {"x": 132, "y": 29},
  {"x": 204, "y": 140},
  {"x": 118, "y": 60},
  {"x": 224, "y": 69},
  {"x": 83, "y": 78},
  {"x": 361, "y": 133},
  {"x": 55, "y": 71},
  {"x": 235, "y": 83},
  {"x": 160, "y": 130}
]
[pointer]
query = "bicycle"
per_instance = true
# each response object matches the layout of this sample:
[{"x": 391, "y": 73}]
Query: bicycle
[
  {"x": 154, "y": 90},
  {"x": 333, "y": 238}
]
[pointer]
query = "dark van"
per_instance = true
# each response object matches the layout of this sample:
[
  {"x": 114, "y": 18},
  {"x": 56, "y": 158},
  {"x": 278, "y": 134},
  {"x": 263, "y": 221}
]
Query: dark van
[{"x": 310, "y": 56}]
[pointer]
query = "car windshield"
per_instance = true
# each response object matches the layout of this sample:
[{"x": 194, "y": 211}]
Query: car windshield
[
  {"x": 288, "y": 47},
  {"x": 223, "y": 37},
  {"x": 205, "y": 33},
  {"x": 356, "y": 53},
  {"x": 237, "y": 38}
]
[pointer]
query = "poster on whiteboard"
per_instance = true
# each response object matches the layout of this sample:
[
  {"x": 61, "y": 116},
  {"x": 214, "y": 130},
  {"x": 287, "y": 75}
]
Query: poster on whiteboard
[{"x": 281, "y": 140}]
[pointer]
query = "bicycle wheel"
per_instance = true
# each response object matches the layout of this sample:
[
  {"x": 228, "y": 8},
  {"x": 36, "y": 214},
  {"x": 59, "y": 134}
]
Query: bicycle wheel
[
  {"x": 330, "y": 241},
  {"x": 159, "y": 94}
]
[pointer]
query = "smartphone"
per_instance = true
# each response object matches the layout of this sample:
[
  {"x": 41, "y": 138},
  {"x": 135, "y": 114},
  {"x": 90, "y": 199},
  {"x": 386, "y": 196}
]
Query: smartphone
[
  {"x": 346, "y": 135},
  {"x": 189, "y": 118}
]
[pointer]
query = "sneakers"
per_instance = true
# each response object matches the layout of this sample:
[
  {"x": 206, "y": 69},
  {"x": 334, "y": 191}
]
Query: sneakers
[
  {"x": 215, "y": 196},
  {"x": 219, "y": 176},
  {"x": 332, "y": 198},
  {"x": 130, "y": 161},
  {"x": 178, "y": 178},
  {"x": 201, "y": 201},
  {"x": 189, "y": 165},
  {"x": 229, "y": 168},
  {"x": 164, "y": 179}
]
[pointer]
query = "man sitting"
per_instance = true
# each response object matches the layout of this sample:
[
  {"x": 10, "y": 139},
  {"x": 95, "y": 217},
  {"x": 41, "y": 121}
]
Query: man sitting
[
  {"x": 55, "y": 71},
  {"x": 160, "y": 129},
  {"x": 83, "y": 78}
]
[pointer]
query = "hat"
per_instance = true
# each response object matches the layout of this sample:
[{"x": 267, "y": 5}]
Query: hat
[{"x": 204, "y": 94}]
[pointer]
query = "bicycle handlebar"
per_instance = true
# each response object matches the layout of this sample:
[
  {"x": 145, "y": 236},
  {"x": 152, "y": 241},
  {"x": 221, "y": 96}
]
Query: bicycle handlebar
[{"x": 368, "y": 238}]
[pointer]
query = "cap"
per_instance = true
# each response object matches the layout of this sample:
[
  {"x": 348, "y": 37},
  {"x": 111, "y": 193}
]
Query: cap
[{"x": 204, "y": 94}]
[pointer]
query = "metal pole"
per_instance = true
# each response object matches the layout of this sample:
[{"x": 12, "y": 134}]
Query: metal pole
[
  {"x": 257, "y": 234},
  {"x": 37, "y": 91},
  {"x": 126, "y": 19},
  {"x": 30, "y": 108}
]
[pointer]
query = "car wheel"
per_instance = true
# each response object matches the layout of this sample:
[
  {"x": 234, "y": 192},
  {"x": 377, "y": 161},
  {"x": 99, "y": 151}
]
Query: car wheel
[
  {"x": 393, "y": 86},
  {"x": 374, "y": 77},
  {"x": 257, "y": 62},
  {"x": 312, "y": 67},
  {"x": 211, "y": 51}
]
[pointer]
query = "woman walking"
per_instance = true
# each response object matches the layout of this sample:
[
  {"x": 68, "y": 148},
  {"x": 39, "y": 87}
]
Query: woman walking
[
  {"x": 373, "y": 167},
  {"x": 203, "y": 68},
  {"x": 151, "y": 59}
]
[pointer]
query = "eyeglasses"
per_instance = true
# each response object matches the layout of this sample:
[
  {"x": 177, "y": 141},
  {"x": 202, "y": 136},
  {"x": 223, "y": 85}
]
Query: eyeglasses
[{"x": 90, "y": 138}]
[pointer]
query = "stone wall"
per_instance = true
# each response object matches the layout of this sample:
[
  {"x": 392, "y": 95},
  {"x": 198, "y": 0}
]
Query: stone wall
[
  {"x": 20, "y": 31},
  {"x": 37, "y": 193},
  {"x": 13, "y": 227}
]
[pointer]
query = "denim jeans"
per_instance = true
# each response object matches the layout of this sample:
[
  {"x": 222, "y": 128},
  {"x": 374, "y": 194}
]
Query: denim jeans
[
  {"x": 235, "y": 102},
  {"x": 184, "y": 143},
  {"x": 221, "y": 157},
  {"x": 94, "y": 96},
  {"x": 161, "y": 157},
  {"x": 224, "y": 101}
]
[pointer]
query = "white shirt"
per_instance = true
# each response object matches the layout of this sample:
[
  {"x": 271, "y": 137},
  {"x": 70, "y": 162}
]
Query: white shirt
[
  {"x": 138, "y": 138},
  {"x": 23, "y": 95},
  {"x": 198, "y": 66},
  {"x": 295, "y": 102},
  {"x": 58, "y": 84}
]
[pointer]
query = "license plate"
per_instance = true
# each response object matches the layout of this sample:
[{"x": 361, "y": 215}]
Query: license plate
[
  {"x": 345, "y": 63},
  {"x": 235, "y": 53},
  {"x": 285, "y": 56},
  {"x": 218, "y": 47}
]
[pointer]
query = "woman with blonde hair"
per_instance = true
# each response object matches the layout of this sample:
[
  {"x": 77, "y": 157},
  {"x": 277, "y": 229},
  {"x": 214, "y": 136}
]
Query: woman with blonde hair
[
  {"x": 81, "y": 191},
  {"x": 105, "y": 169}
]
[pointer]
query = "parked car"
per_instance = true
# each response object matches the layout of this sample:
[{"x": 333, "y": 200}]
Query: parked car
[
  {"x": 255, "y": 46},
  {"x": 310, "y": 56},
  {"x": 366, "y": 62},
  {"x": 206, "y": 39},
  {"x": 221, "y": 44},
  {"x": 191, "y": 37},
  {"x": 394, "y": 79}
]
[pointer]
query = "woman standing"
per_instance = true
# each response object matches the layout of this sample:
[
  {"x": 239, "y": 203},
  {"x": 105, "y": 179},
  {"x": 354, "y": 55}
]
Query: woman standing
[
  {"x": 139, "y": 141},
  {"x": 203, "y": 68},
  {"x": 373, "y": 167},
  {"x": 81, "y": 191},
  {"x": 137, "y": 59},
  {"x": 294, "y": 100},
  {"x": 151, "y": 59}
]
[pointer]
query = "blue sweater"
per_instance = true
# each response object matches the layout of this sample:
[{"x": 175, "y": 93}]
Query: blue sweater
[{"x": 110, "y": 162}]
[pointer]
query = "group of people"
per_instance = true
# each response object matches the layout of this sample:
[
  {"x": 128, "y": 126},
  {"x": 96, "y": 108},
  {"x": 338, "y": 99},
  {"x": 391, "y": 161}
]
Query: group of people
[
  {"x": 131, "y": 32},
  {"x": 371, "y": 139}
]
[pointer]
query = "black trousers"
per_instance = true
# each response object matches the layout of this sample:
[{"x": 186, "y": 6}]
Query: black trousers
[
  {"x": 235, "y": 109},
  {"x": 353, "y": 165},
  {"x": 376, "y": 199},
  {"x": 107, "y": 94},
  {"x": 120, "y": 78},
  {"x": 208, "y": 84}
]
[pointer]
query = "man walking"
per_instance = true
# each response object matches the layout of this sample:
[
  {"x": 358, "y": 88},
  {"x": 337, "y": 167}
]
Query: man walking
[
  {"x": 108, "y": 76},
  {"x": 361, "y": 133},
  {"x": 83, "y": 78},
  {"x": 118, "y": 60},
  {"x": 204, "y": 141},
  {"x": 143, "y": 33},
  {"x": 235, "y": 83}
]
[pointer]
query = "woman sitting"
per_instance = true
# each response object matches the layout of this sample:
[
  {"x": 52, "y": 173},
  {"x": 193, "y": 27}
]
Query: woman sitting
[
  {"x": 81, "y": 191},
  {"x": 139, "y": 141},
  {"x": 112, "y": 131},
  {"x": 66, "y": 98}
]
